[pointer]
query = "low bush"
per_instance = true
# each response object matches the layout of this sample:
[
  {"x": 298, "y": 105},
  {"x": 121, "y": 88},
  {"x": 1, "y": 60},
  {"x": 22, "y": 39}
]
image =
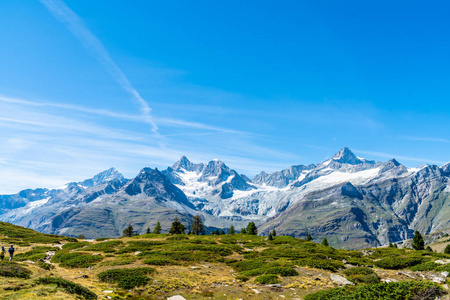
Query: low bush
[
  {"x": 397, "y": 263},
  {"x": 428, "y": 266},
  {"x": 177, "y": 237},
  {"x": 283, "y": 271},
  {"x": 324, "y": 264},
  {"x": 405, "y": 290},
  {"x": 127, "y": 278},
  {"x": 106, "y": 247},
  {"x": 120, "y": 261},
  {"x": 69, "y": 286},
  {"x": 242, "y": 278},
  {"x": 76, "y": 245},
  {"x": 159, "y": 261},
  {"x": 12, "y": 269},
  {"x": 246, "y": 265},
  {"x": 76, "y": 259},
  {"x": 267, "y": 279},
  {"x": 38, "y": 252},
  {"x": 361, "y": 275},
  {"x": 254, "y": 272}
]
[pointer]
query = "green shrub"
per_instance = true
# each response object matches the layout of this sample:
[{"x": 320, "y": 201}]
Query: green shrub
[
  {"x": 267, "y": 279},
  {"x": 76, "y": 259},
  {"x": 254, "y": 272},
  {"x": 404, "y": 290},
  {"x": 38, "y": 252},
  {"x": 428, "y": 266},
  {"x": 159, "y": 261},
  {"x": 242, "y": 278},
  {"x": 12, "y": 269},
  {"x": 324, "y": 264},
  {"x": 177, "y": 237},
  {"x": 76, "y": 245},
  {"x": 70, "y": 287},
  {"x": 397, "y": 263},
  {"x": 127, "y": 278},
  {"x": 104, "y": 246},
  {"x": 120, "y": 261},
  {"x": 283, "y": 271},
  {"x": 361, "y": 275},
  {"x": 246, "y": 265}
]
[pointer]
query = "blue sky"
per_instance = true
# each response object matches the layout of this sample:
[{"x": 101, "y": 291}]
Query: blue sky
[{"x": 261, "y": 85}]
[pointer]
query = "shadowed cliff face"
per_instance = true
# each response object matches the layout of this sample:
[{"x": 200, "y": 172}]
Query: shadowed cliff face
[{"x": 352, "y": 201}]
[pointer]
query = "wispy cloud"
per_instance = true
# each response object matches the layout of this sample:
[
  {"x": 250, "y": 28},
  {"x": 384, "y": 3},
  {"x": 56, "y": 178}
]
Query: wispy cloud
[{"x": 71, "y": 20}]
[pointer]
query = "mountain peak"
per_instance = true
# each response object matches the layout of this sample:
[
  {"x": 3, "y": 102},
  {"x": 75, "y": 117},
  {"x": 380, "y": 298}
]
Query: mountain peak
[
  {"x": 186, "y": 164},
  {"x": 102, "y": 177},
  {"x": 345, "y": 155}
]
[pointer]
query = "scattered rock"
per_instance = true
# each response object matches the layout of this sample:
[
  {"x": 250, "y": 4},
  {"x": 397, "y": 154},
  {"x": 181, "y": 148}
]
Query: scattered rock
[
  {"x": 406, "y": 274},
  {"x": 445, "y": 286},
  {"x": 108, "y": 291},
  {"x": 137, "y": 252},
  {"x": 95, "y": 253},
  {"x": 387, "y": 280},
  {"x": 194, "y": 268},
  {"x": 276, "y": 285},
  {"x": 176, "y": 297},
  {"x": 340, "y": 280},
  {"x": 439, "y": 280},
  {"x": 29, "y": 261},
  {"x": 442, "y": 261},
  {"x": 256, "y": 291},
  {"x": 445, "y": 274}
]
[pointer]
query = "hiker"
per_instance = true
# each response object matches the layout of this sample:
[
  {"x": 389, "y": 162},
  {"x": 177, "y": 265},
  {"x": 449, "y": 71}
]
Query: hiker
[
  {"x": 11, "y": 252},
  {"x": 2, "y": 253}
]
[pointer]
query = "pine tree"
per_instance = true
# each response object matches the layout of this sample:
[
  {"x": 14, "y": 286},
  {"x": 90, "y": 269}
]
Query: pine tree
[
  {"x": 447, "y": 249},
  {"x": 428, "y": 248},
  {"x": 418, "y": 243},
  {"x": 222, "y": 232},
  {"x": 390, "y": 245},
  {"x": 309, "y": 237},
  {"x": 270, "y": 237},
  {"x": 251, "y": 229},
  {"x": 231, "y": 230},
  {"x": 395, "y": 246},
  {"x": 148, "y": 230},
  {"x": 157, "y": 229},
  {"x": 325, "y": 242},
  {"x": 129, "y": 231},
  {"x": 243, "y": 231},
  {"x": 197, "y": 226},
  {"x": 274, "y": 233},
  {"x": 217, "y": 232},
  {"x": 177, "y": 227}
]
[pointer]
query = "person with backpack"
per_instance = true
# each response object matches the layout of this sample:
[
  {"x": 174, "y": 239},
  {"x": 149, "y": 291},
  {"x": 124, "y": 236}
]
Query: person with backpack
[
  {"x": 2, "y": 253},
  {"x": 11, "y": 252}
]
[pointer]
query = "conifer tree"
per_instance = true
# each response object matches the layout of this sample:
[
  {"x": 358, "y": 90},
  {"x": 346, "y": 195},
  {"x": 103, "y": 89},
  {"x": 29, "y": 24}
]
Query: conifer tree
[
  {"x": 231, "y": 230},
  {"x": 325, "y": 242},
  {"x": 251, "y": 229},
  {"x": 309, "y": 237},
  {"x": 243, "y": 231},
  {"x": 270, "y": 237},
  {"x": 274, "y": 233},
  {"x": 222, "y": 232},
  {"x": 129, "y": 231},
  {"x": 418, "y": 243},
  {"x": 197, "y": 226},
  {"x": 148, "y": 230},
  {"x": 447, "y": 249},
  {"x": 217, "y": 232},
  {"x": 157, "y": 229},
  {"x": 177, "y": 227}
]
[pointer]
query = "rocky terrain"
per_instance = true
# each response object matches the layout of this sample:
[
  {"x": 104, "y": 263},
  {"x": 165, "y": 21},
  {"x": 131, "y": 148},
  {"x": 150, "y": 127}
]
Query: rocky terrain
[
  {"x": 354, "y": 202},
  {"x": 236, "y": 266}
]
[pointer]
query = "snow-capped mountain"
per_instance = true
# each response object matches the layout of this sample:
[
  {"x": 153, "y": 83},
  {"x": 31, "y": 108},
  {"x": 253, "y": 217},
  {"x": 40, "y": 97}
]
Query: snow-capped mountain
[{"x": 352, "y": 201}]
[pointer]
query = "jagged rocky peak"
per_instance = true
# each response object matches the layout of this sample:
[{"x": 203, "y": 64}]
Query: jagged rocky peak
[
  {"x": 393, "y": 166},
  {"x": 185, "y": 164},
  {"x": 446, "y": 169},
  {"x": 346, "y": 156},
  {"x": 282, "y": 178},
  {"x": 103, "y": 177}
]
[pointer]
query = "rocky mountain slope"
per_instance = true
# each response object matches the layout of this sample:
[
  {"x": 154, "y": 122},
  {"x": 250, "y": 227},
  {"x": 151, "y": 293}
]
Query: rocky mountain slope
[{"x": 352, "y": 201}]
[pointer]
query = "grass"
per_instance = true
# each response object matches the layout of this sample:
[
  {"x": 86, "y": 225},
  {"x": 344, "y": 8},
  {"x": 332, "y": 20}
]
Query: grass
[
  {"x": 13, "y": 269},
  {"x": 70, "y": 287}
]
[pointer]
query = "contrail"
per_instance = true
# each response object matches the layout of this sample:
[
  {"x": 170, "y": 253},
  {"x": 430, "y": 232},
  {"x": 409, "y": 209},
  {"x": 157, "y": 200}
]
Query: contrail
[{"x": 76, "y": 25}]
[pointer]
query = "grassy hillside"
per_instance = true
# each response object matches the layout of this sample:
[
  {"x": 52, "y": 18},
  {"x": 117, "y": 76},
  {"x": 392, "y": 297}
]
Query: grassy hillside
[{"x": 218, "y": 267}]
